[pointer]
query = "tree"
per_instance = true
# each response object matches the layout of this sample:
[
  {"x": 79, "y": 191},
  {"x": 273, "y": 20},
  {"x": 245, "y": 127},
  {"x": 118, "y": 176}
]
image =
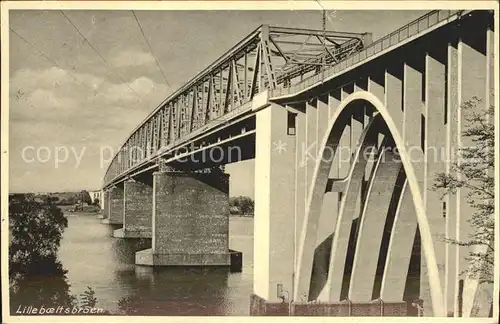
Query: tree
[
  {"x": 85, "y": 197},
  {"x": 36, "y": 277},
  {"x": 474, "y": 172},
  {"x": 36, "y": 229}
]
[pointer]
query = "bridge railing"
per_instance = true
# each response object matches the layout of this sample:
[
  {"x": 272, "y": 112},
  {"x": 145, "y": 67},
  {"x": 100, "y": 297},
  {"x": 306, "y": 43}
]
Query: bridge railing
[
  {"x": 411, "y": 29},
  {"x": 268, "y": 58}
]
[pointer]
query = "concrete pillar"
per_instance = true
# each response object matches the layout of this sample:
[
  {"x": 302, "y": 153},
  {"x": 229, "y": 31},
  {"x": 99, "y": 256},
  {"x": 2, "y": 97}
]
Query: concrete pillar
[
  {"x": 344, "y": 150},
  {"x": 435, "y": 155},
  {"x": 101, "y": 196},
  {"x": 104, "y": 204},
  {"x": 137, "y": 210},
  {"x": 328, "y": 214},
  {"x": 358, "y": 120},
  {"x": 376, "y": 86},
  {"x": 322, "y": 118},
  {"x": 451, "y": 251},
  {"x": 274, "y": 239},
  {"x": 329, "y": 209},
  {"x": 300, "y": 175},
  {"x": 412, "y": 106},
  {"x": 490, "y": 68},
  {"x": 333, "y": 102},
  {"x": 327, "y": 220},
  {"x": 490, "y": 100},
  {"x": 472, "y": 82},
  {"x": 357, "y": 126},
  {"x": 311, "y": 141},
  {"x": 399, "y": 253},
  {"x": 115, "y": 206},
  {"x": 394, "y": 94},
  {"x": 190, "y": 220}
]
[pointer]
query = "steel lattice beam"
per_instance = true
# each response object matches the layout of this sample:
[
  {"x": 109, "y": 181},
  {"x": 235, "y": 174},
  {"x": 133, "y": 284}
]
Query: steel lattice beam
[{"x": 269, "y": 57}]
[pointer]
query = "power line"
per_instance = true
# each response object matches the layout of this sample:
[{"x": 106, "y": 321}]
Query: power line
[
  {"x": 98, "y": 54},
  {"x": 323, "y": 8},
  {"x": 95, "y": 91},
  {"x": 323, "y": 57},
  {"x": 51, "y": 60},
  {"x": 150, "y": 49}
]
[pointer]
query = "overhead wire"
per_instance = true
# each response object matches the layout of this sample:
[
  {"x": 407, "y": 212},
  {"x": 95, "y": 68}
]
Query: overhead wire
[
  {"x": 150, "y": 48},
  {"x": 98, "y": 54},
  {"x": 51, "y": 60}
]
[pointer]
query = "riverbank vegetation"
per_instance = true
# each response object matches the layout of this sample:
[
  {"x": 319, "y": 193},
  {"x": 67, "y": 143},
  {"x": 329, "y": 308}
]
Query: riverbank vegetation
[{"x": 36, "y": 277}]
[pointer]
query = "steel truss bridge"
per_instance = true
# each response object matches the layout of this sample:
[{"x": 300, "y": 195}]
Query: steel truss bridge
[{"x": 269, "y": 58}]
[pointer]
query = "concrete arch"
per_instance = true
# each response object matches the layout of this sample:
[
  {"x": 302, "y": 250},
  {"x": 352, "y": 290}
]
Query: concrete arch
[
  {"x": 402, "y": 235},
  {"x": 320, "y": 177},
  {"x": 339, "y": 250},
  {"x": 379, "y": 194}
]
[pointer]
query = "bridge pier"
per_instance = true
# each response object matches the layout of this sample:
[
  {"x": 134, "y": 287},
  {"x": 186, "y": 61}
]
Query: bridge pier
[
  {"x": 190, "y": 224},
  {"x": 274, "y": 204},
  {"x": 137, "y": 209},
  {"x": 104, "y": 204},
  {"x": 114, "y": 206}
]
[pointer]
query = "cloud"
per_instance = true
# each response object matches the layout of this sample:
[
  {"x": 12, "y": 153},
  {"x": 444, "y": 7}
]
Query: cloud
[
  {"x": 26, "y": 80},
  {"x": 41, "y": 93},
  {"x": 49, "y": 109},
  {"x": 45, "y": 114},
  {"x": 145, "y": 91},
  {"x": 49, "y": 105},
  {"x": 132, "y": 58}
]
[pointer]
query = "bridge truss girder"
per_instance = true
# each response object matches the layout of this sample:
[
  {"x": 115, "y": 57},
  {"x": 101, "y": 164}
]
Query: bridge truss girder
[{"x": 268, "y": 58}]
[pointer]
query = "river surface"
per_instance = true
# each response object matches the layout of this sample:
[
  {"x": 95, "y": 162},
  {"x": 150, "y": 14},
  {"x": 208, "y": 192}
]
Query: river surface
[{"x": 94, "y": 258}]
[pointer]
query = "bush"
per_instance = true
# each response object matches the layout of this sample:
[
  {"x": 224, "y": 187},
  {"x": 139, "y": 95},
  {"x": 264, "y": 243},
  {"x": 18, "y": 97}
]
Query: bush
[
  {"x": 88, "y": 298},
  {"x": 241, "y": 205}
]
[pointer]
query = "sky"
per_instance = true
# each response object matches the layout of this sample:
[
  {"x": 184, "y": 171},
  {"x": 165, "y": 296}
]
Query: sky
[{"x": 73, "y": 105}]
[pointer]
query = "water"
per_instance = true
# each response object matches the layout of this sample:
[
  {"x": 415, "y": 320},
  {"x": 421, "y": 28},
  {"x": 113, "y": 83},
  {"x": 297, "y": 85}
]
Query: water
[{"x": 94, "y": 258}]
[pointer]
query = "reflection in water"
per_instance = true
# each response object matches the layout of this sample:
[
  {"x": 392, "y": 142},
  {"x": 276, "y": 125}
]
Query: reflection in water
[
  {"x": 176, "y": 291},
  {"x": 94, "y": 258}
]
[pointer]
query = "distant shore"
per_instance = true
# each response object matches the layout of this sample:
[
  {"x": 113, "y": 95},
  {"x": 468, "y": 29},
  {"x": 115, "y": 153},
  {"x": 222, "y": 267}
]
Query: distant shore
[{"x": 242, "y": 215}]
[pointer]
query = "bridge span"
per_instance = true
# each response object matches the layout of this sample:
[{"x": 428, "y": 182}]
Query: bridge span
[{"x": 358, "y": 233}]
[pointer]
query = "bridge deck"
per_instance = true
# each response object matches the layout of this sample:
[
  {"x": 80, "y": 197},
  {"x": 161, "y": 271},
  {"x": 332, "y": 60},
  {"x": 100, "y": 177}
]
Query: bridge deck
[{"x": 397, "y": 37}]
